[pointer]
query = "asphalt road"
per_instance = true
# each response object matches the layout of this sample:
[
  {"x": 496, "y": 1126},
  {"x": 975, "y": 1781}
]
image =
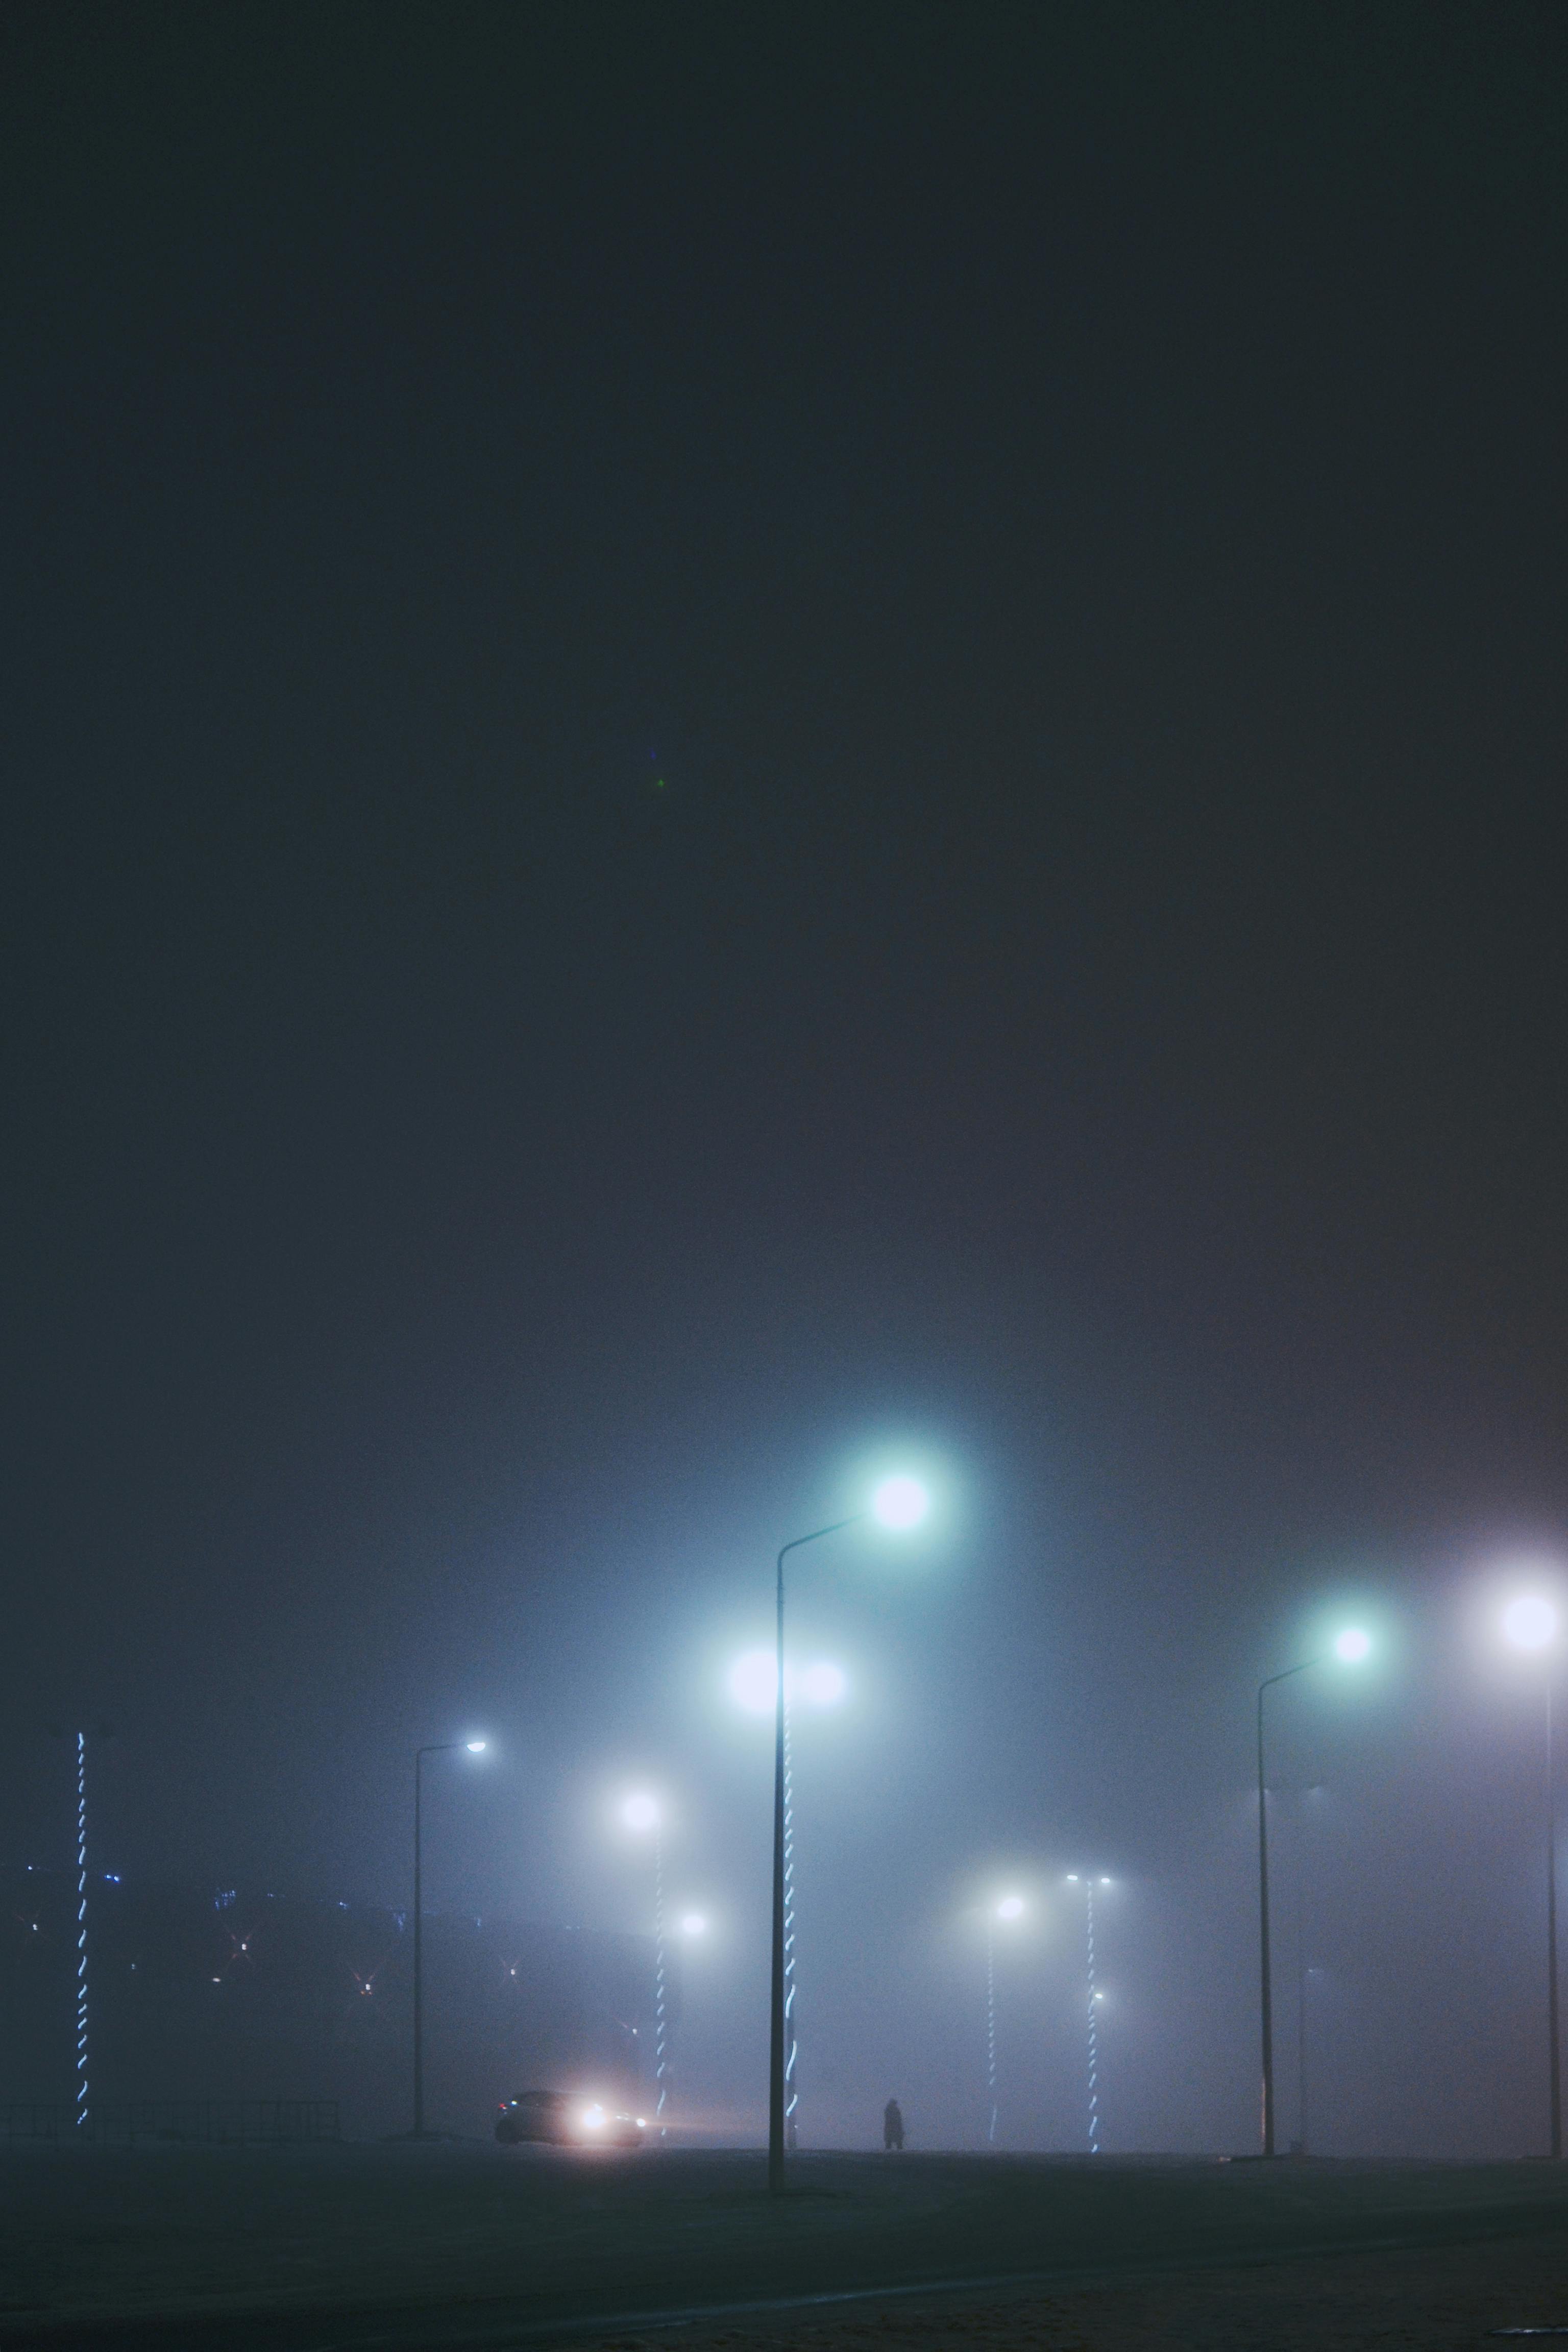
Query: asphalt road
[{"x": 296, "y": 2250}]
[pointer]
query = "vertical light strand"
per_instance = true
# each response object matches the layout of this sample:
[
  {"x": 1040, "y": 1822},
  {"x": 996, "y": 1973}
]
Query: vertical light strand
[
  {"x": 991, "y": 2031},
  {"x": 81, "y": 2094},
  {"x": 792, "y": 2094},
  {"x": 659, "y": 2034},
  {"x": 1093, "y": 2042}
]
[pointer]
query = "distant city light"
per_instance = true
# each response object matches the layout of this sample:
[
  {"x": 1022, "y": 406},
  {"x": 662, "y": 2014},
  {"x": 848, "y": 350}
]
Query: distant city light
[
  {"x": 900, "y": 1503},
  {"x": 640, "y": 1813},
  {"x": 1530, "y": 1622},
  {"x": 1010, "y": 1908},
  {"x": 1352, "y": 1645}
]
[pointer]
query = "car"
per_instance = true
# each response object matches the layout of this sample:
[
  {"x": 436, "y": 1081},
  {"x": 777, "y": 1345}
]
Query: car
[{"x": 567, "y": 2119}]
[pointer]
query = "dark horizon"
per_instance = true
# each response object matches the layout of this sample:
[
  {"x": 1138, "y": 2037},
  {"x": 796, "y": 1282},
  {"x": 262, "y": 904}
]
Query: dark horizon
[{"x": 742, "y": 742}]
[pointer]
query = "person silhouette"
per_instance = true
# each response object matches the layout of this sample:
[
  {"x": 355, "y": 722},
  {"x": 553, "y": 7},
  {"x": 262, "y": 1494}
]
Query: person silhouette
[{"x": 892, "y": 2125}]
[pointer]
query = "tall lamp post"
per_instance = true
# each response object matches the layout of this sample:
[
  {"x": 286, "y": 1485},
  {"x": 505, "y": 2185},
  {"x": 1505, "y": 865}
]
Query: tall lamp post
[
  {"x": 1531, "y": 1623},
  {"x": 1010, "y": 1908},
  {"x": 642, "y": 1812},
  {"x": 434, "y": 1747},
  {"x": 898, "y": 1503},
  {"x": 1088, "y": 1885},
  {"x": 1350, "y": 1648}
]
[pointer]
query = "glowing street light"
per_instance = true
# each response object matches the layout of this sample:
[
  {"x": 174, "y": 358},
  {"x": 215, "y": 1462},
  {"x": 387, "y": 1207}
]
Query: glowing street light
[
  {"x": 693, "y": 1924},
  {"x": 898, "y": 1504},
  {"x": 1087, "y": 1882},
  {"x": 435, "y": 1748},
  {"x": 1351, "y": 1647},
  {"x": 1529, "y": 1623}
]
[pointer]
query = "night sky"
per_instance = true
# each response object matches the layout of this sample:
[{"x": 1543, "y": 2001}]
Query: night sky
[{"x": 744, "y": 740}]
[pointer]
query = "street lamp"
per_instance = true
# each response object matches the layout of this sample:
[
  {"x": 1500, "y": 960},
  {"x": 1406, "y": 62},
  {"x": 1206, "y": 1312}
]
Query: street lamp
[
  {"x": 1010, "y": 1908},
  {"x": 754, "y": 1684},
  {"x": 642, "y": 1812},
  {"x": 1087, "y": 1882},
  {"x": 1351, "y": 1647},
  {"x": 434, "y": 1747},
  {"x": 898, "y": 1504},
  {"x": 1529, "y": 1623}
]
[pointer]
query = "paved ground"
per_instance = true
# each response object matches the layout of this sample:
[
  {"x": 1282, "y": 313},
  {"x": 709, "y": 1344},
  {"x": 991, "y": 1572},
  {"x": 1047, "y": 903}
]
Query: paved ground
[{"x": 267, "y": 2251}]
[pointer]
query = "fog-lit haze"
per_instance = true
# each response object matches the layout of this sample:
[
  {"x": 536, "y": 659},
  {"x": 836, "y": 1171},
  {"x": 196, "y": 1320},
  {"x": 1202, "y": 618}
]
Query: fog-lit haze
[{"x": 749, "y": 748}]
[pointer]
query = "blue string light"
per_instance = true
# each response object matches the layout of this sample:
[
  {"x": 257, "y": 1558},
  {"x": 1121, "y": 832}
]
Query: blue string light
[
  {"x": 990, "y": 2029},
  {"x": 792, "y": 2096},
  {"x": 1093, "y": 2041},
  {"x": 81, "y": 2094},
  {"x": 659, "y": 2033}
]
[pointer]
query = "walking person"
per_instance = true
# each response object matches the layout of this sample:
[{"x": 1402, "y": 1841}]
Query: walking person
[{"x": 892, "y": 2125}]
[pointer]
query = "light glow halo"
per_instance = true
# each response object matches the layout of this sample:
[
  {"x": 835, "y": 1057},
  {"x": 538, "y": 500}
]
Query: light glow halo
[
  {"x": 1530, "y": 1621},
  {"x": 900, "y": 1503}
]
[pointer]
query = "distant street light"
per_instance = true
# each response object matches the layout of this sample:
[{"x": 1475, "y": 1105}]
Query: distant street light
[
  {"x": 1352, "y": 1648},
  {"x": 1011, "y": 1908},
  {"x": 1529, "y": 1623},
  {"x": 642, "y": 1812},
  {"x": 435, "y": 1748},
  {"x": 1087, "y": 1882},
  {"x": 898, "y": 1504}
]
